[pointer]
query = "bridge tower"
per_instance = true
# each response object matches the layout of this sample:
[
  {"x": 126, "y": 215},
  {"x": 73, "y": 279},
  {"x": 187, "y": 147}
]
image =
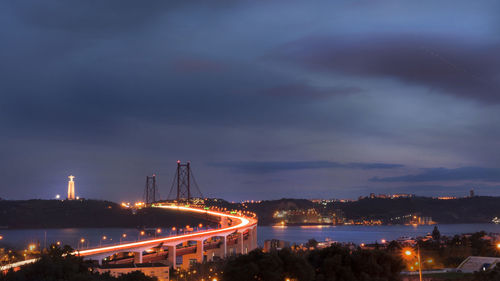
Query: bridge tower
[
  {"x": 150, "y": 190},
  {"x": 184, "y": 184}
]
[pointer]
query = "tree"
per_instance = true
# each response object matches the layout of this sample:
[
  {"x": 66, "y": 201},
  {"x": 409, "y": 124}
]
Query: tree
[
  {"x": 436, "y": 235},
  {"x": 277, "y": 265},
  {"x": 341, "y": 264},
  {"x": 394, "y": 246},
  {"x": 312, "y": 243},
  {"x": 254, "y": 266},
  {"x": 295, "y": 266}
]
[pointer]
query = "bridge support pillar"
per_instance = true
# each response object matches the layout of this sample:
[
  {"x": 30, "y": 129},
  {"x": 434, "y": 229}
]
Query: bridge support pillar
[
  {"x": 138, "y": 257},
  {"x": 172, "y": 258},
  {"x": 224, "y": 246},
  {"x": 240, "y": 242},
  {"x": 253, "y": 238},
  {"x": 199, "y": 251}
]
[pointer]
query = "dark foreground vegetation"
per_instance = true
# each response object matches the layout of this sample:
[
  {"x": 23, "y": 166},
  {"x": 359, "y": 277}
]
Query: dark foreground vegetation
[
  {"x": 52, "y": 266},
  {"x": 450, "y": 251},
  {"x": 87, "y": 213},
  {"x": 334, "y": 263}
]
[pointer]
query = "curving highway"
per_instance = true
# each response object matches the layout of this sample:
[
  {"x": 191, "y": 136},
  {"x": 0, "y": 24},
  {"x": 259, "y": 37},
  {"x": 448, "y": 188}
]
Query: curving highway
[
  {"x": 240, "y": 224},
  {"x": 244, "y": 224}
]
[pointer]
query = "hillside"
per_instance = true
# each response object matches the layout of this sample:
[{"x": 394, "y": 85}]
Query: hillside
[
  {"x": 86, "y": 213},
  {"x": 480, "y": 209},
  {"x": 463, "y": 210}
]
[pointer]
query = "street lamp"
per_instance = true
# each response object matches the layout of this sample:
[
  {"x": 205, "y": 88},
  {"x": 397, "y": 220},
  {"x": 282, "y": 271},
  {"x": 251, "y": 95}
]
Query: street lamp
[
  {"x": 82, "y": 241},
  {"x": 141, "y": 234},
  {"x": 1, "y": 237},
  {"x": 102, "y": 238},
  {"x": 410, "y": 253},
  {"x": 124, "y": 235}
]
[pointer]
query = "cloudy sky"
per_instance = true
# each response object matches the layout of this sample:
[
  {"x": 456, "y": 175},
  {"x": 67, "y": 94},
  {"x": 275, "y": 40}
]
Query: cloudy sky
[{"x": 267, "y": 99}]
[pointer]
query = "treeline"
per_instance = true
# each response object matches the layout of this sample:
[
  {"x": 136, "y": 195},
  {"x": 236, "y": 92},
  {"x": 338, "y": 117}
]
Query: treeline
[
  {"x": 57, "y": 265},
  {"x": 333, "y": 263},
  {"x": 87, "y": 213}
]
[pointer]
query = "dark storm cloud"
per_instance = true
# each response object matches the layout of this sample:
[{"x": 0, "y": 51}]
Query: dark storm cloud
[
  {"x": 444, "y": 174},
  {"x": 277, "y": 166},
  {"x": 301, "y": 90},
  {"x": 458, "y": 66},
  {"x": 94, "y": 16},
  {"x": 114, "y": 90},
  {"x": 198, "y": 65}
]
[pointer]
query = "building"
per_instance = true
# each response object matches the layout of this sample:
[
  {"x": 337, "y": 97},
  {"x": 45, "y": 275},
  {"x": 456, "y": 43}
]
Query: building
[
  {"x": 275, "y": 244},
  {"x": 158, "y": 270},
  {"x": 338, "y": 217},
  {"x": 445, "y": 198},
  {"x": 71, "y": 188}
]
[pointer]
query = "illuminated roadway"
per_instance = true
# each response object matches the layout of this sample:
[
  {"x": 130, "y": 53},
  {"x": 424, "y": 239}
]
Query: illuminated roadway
[{"x": 244, "y": 223}]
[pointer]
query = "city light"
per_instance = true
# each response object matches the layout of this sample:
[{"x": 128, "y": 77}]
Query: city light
[
  {"x": 409, "y": 253},
  {"x": 58, "y": 196},
  {"x": 1, "y": 237}
]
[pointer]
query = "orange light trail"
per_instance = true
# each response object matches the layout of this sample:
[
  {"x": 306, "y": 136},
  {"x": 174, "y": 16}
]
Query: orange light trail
[{"x": 244, "y": 222}]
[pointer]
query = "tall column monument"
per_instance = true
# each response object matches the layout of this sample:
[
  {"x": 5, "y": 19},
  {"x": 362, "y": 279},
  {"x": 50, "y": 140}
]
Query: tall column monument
[{"x": 71, "y": 188}]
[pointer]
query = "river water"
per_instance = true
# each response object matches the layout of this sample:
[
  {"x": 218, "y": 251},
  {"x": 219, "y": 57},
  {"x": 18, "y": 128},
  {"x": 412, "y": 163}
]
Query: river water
[{"x": 295, "y": 234}]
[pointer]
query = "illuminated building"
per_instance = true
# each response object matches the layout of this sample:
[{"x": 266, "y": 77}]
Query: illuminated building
[{"x": 71, "y": 188}]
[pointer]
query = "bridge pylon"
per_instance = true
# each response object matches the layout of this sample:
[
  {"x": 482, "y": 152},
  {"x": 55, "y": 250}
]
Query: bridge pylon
[
  {"x": 151, "y": 190},
  {"x": 184, "y": 184}
]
